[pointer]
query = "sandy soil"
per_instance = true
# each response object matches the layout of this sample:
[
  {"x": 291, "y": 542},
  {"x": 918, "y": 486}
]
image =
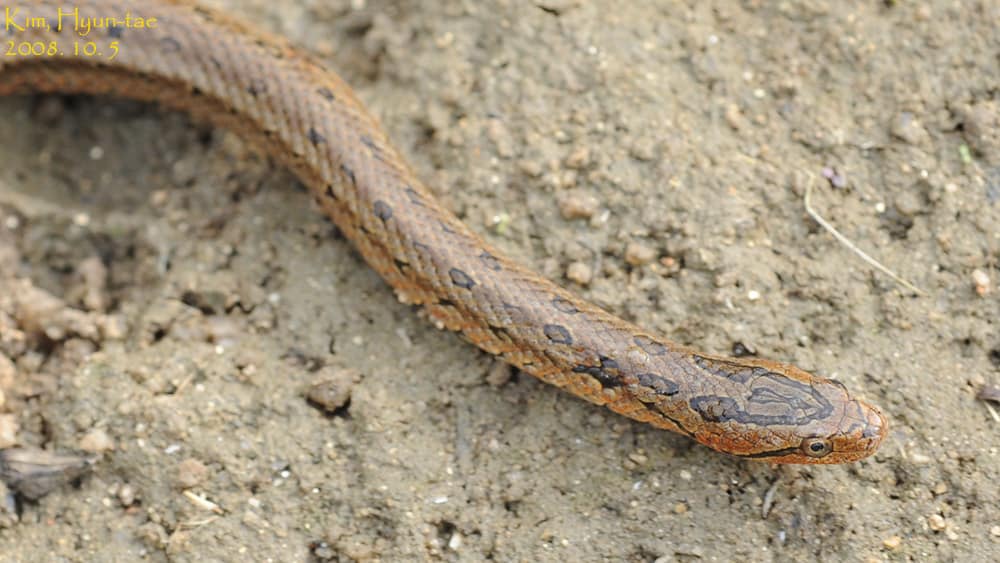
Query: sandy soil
[{"x": 195, "y": 296}]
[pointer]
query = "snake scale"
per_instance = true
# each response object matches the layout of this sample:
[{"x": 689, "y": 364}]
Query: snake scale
[{"x": 199, "y": 61}]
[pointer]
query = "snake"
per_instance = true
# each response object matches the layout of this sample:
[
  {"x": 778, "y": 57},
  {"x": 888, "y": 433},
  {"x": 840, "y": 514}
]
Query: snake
[{"x": 283, "y": 100}]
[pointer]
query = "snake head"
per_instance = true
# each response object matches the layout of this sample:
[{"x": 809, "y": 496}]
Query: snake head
[
  {"x": 853, "y": 433},
  {"x": 781, "y": 414}
]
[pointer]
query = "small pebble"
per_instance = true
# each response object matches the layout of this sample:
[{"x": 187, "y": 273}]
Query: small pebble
[
  {"x": 580, "y": 273},
  {"x": 981, "y": 282},
  {"x": 980, "y": 123},
  {"x": 531, "y": 168},
  {"x": 638, "y": 457},
  {"x": 575, "y": 205},
  {"x": 8, "y": 430},
  {"x": 126, "y": 495},
  {"x": 638, "y": 254},
  {"x": 499, "y": 374},
  {"x": 332, "y": 390},
  {"x": 936, "y": 522},
  {"x": 995, "y": 531},
  {"x": 191, "y": 473},
  {"x": 734, "y": 117},
  {"x": 7, "y": 371},
  {"x": 835, "y": 178},
  {"x": 643, "y": 149},
  {"x": 907, "y": 128},
  {"x": 671, "y": 264},
  {"x": 579, "y": 158},
  {"x": 893, "y": 543},
  {"x": 97, "y": 441},
  {"x": 909, "y": 203},
  {"x": 184, "y": 171}
]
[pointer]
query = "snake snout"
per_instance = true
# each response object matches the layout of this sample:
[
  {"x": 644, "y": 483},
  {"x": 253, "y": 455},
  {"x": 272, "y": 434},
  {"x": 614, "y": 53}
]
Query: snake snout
[{"x": 876, "y": 427}]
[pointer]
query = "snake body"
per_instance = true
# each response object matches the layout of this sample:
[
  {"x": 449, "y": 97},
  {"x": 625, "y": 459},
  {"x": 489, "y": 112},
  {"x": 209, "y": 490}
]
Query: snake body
[{"x": 201, "y": 62}]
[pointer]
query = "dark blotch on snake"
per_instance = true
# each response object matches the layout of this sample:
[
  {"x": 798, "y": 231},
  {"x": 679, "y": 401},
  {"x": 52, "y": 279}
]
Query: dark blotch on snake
[
  {"x": 382, "y": 210},
  {"x": 606, "y": 373},
  {"x": 659, "y": 384},
  {"x": 315, "y": 138},
  {"x": 564, "y": 306},
  {"x": 414, "y": 196},
  {"x": 460, "y": 278},
  {"x": 557, "y": 334},
  {"x": 170, "y": 45},
  {"x": 650, "y": 346},
  {"x": 490, "y": 261},
  {"x": 349, "y": 172}
]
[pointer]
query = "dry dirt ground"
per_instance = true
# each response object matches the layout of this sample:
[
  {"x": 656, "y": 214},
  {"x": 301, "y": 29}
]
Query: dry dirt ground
[{"x": 198, "y": 295}]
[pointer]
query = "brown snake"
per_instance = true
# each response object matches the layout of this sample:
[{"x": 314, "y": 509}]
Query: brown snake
[{"x": 305, "y": 116}]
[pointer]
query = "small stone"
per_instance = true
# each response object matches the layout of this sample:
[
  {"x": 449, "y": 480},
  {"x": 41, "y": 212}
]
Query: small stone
[
  {"x": 8, "y": 430},
  {"x": 638, "y": 254},
  {"x": 184, "y": 171},
  {"x": 685, "y": 475},
  {"x": 580, "y": 273},
  {"x": 995, "y": 531},
  {"x": 980, "y": 126},
  {"x": 734, "y": 117},
  {"x": 7, "y": 372},
  {"x": 639, "y": 458},
  {"x": 498, "y": 133},
  {"x": 97, "y": 441},
  {"x": 191, "y": 473},
  {"x": 643, "y": 149},
  {"x": 981, "y": 282},
  {"x": 113, "y": 327},
  {"x": 576, "y": 205},
  {"x": 499, "y": 374},
  {"x": 579, "y": 158},
  {"x": 893, "y": 543},
  {"x": 671, "y": 264},
  {"x": 332, "y": 390},
  {"x": 126, "y": 495},
  {"x": 159, "y": 197},
  {"x": 153, "y": 535},
  {"x": 936, "y": 522},
  {"x": 909, "y": 203},
  {"x": 907, "y": 128},
  {"x": 680, "y": 508},
  {"x": 940, "y": 489},
  {"x": 530, "y": 168}
]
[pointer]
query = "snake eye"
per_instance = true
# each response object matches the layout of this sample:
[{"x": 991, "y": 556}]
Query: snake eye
[{"x": 816, "y": 447}]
